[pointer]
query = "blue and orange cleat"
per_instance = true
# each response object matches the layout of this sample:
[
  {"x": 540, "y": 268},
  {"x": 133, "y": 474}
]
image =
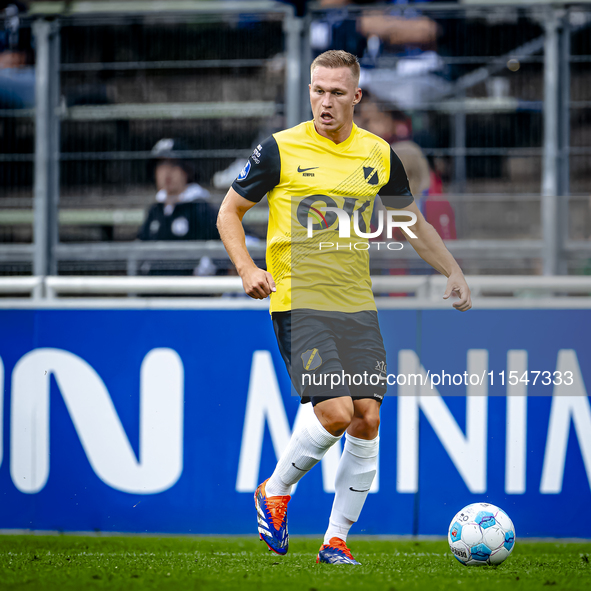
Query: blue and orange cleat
[
  {"x": 272, "y": 518},
  {"x": 335, "y": 552}
]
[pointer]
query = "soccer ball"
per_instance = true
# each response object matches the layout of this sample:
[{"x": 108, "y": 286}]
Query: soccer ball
[{"x": 481, "y": 534}]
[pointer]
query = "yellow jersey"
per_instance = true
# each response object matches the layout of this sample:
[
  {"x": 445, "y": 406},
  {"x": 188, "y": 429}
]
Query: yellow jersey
[{"x": 321, "y": 197}]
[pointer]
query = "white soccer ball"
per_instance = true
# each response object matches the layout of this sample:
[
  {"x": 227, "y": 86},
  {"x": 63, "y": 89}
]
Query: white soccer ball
[{"x": 481, "y": 534}]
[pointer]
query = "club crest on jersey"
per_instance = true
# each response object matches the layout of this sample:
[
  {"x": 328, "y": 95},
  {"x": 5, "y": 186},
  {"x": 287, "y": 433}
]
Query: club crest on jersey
[
  {"x": 311, "y": 359},
  {"x": 371, "y": 175},
  {"x": 244, "y": 172}
]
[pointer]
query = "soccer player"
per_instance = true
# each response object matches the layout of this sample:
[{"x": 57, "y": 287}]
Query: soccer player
[{"x": 322, "y": 305}]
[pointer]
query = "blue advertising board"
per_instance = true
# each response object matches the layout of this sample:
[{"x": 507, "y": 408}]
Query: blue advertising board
[{"x": 166, "y": 420}]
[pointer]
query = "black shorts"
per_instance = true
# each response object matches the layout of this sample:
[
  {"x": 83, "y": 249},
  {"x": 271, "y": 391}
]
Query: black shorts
[{"x": 332, "y": 354}]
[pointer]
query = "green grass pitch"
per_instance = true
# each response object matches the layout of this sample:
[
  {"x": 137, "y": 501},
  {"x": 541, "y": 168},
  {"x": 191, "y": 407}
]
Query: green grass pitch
[{"x": 67, "y": 562}]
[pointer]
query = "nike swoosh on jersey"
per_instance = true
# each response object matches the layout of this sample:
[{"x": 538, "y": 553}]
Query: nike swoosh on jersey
[
  {"x": 300, "y": 169},
  {"x": 355, "y": 490}
]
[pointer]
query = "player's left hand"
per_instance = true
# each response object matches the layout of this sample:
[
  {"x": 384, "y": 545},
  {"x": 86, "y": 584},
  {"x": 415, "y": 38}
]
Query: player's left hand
[{"x": 457, "y": 286}]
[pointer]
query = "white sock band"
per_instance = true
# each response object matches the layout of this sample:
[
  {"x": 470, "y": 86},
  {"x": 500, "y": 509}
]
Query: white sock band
[
  {"x": 355, "y": 474},
  {"x": 305, "y": 449}
]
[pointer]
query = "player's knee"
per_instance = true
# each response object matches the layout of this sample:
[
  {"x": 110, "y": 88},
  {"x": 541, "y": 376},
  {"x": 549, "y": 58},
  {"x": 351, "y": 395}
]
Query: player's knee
[
  {"x": 339, "y": 423},
  {"x": 367, "y": 425},
  {"x": 334, "y": 415}
]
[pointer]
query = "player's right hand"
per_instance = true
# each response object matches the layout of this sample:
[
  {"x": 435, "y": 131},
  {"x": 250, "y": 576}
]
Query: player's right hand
[{"x": 258, "y": 284}]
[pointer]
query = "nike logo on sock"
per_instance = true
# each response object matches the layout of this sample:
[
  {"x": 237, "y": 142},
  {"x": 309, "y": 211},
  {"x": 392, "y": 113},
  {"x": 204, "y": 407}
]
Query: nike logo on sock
[
  {"x": 355, "y": 490},
  {"x": 300, "y": 469}
]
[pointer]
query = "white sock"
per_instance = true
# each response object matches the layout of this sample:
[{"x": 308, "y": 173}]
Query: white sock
[
  {"x": 305, "y": 449},
  {"x": 356, "y": 471}
]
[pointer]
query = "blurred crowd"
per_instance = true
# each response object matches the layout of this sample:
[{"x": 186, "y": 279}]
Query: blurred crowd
[
  {"x": 17, "y": 75},
  {"x": 403, "y": 49}
]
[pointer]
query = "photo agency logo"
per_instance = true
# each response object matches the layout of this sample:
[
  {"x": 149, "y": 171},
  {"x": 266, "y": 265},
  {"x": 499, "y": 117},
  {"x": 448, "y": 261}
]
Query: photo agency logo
[{"x": 317, "y": 218}]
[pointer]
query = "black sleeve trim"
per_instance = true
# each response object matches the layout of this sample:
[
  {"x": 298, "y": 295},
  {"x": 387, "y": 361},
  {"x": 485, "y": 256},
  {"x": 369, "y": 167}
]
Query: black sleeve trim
[
  {"x": 261, "y": 173},
  {"x": 396, "y": 192},
  {"x": 242, "y": 192}
]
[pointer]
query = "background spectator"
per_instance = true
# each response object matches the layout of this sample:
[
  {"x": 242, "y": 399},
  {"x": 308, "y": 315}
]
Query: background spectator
[
  {"x": 17, "y": 75},
  {"x": 390, "y": 124},
  {"x": 402, "y": 34},
  {"x": 181, "y": 211},
  {"x": 437, "y": 211}
]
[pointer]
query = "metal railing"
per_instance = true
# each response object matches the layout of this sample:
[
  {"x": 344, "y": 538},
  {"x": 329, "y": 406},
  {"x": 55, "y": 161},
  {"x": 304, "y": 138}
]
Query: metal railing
[
  {"x": 525, "y": 291},
  {"x": 134, "y": 251}
]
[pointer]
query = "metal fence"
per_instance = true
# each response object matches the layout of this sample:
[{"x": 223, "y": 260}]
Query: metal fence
[
  {"x": 495, "y": 96},
  {"x": 488, "y": 98},
  {"x": 495, "y": 292},
  {"x": 109, "y": 86}
]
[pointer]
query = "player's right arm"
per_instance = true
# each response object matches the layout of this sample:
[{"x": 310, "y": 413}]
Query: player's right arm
[
  {"x": 259, "y": 176},
  {"x": 258, "y": 283}
]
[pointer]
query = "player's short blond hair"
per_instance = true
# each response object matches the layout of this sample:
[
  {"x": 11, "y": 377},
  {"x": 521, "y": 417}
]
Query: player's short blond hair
[{"x": 337, "y": 58}]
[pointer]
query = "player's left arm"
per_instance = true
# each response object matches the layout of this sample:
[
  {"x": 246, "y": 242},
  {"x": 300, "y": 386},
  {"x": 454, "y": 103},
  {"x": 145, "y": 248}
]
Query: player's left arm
[{"x": 431, "y": 248}]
